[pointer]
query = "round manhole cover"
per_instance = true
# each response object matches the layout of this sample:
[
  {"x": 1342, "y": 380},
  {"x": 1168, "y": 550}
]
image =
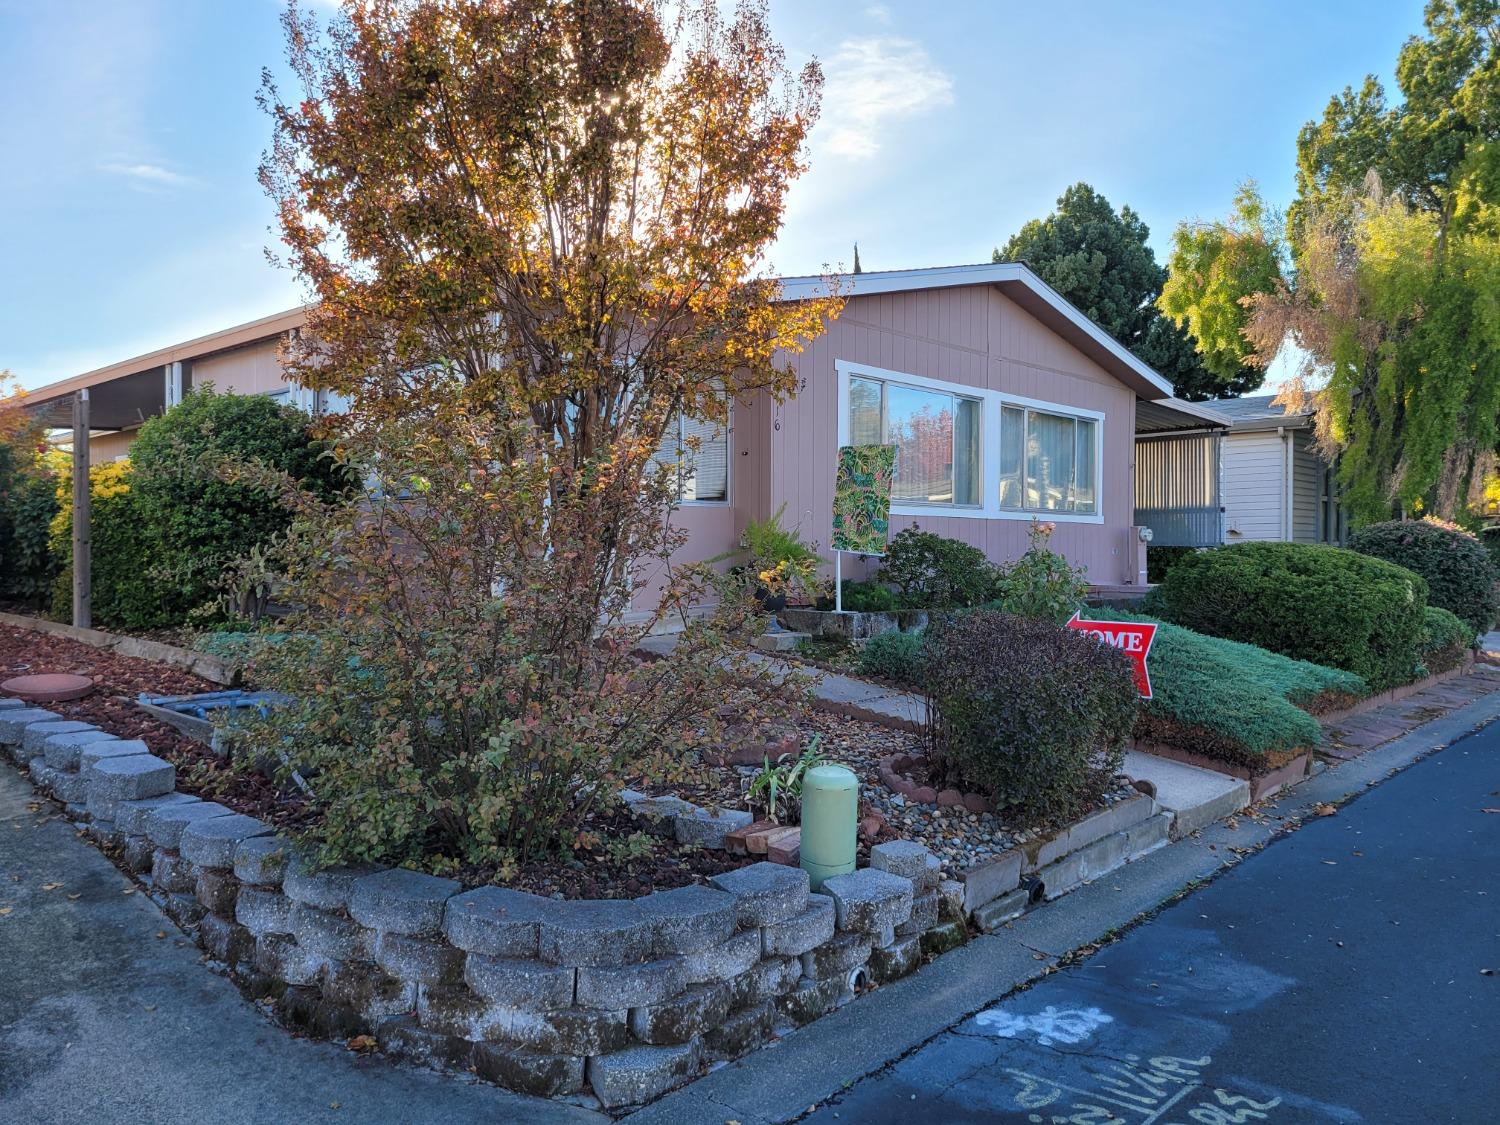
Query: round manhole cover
[{"x": 49, "y": 687}]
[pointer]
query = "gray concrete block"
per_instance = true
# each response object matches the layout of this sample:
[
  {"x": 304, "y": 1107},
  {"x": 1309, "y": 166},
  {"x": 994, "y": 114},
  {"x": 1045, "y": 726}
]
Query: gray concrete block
[
  {"x": 131, "y": 778},
  {"x": 455, "y": 1010},
  {"x": 796, "y": 936},
  {"x": 629, "y": 986},
  {"x": 740, "y": 1032},
  {"x": 1095, "y": 826},
  {"x": 765, "y": 893},
  {"x": 132, "y": 817},
  {"x": 905, "y": 858},
  {"x": 1195, "y": 797},
  {"x": 419, "y": 960},
  {"x": 210, "y": 842},
  {"x": 682, "y": 1018},
  {"x": 495, "y": 921},
  {"x": 171, "y": 873},
  {"x": 327, "y": 889},
  {"x": 138, "y": 853},
  {"x": 658, "y": 815},
  {"x": 15, "y": 720},
  {"x": 723, "y": 961},
  {"x": 586, "y": 932},
  {"x": 61, "y": 750},
  {"x": 217, "y": 891},
  {"x": 10, "y": 702},
  {"x": 567, "y": 1031},
  {"x": 225, "y": 941},
  {"x": 401, "y": 901},
  {"x": 263, "y": 911},
  {"x": 1104, "y": 855},
  {"x": 363, "y": 987},
  {"x": 281, "y": 958},
  {"x": 836, "y": 957},
  {"x": 641, "y": 1073},
  {"x": 995, "y": 913},
  {"x": 331, "y": 936},
  {"x": 402, "y": 1038},
  {"x": 811, "y": 999},
  {"x": 262, "y": 860},
  {"x": 894, "y": 961},
  {"x": 527, "y": 1072},
  {"x": 868, "y": 899},
  {"x": 767, "y": 980},
  {"x": 69, "y": 788},
  {"x": 91, "y": 752},
  {"x": 519, "y": 984},
  {"x": 689, "y": 918},
  {"x": 706, "y": 828},
  {"x": 34, "y": 737},
  {"x": 985, "y": 882},
  {"x": 950, "y": 894},
  {"x": 924, "y": 915}
]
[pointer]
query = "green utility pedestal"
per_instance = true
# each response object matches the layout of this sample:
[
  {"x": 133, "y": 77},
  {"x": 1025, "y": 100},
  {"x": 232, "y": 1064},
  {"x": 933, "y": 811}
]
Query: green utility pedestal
[{"x": 830, "y": 813}]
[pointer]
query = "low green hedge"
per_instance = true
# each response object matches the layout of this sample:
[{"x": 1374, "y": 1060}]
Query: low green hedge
[
  {"x": 1446, "y": 640},
  {"x": 1312, "y": 602},
  {"x": 1458, "y": 568},
  {"x": 893, "y": 656},
  {"x": 1233, "y": 702}
]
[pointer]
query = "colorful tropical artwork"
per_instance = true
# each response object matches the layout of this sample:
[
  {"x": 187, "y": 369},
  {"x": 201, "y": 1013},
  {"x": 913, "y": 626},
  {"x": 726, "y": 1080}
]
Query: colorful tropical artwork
[{"x": 862, "y": 498}]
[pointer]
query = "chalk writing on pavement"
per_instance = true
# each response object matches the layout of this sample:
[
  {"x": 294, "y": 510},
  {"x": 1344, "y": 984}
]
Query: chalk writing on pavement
[{"x": 1161, "y": 1090}]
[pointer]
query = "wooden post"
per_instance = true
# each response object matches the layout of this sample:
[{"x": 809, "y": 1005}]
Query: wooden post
[{"x": 82, "y": 561}]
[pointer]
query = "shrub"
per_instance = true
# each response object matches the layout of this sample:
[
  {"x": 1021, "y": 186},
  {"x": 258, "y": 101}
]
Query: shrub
[
  {"x": 202, "y": 519},
  {"x": 893, "y": 656},
  {"x": 933, "y": 572},
  {"x": 28, "y": 504},
  {"x": 1446, "y": 640},
  {"x": 125, "y": 589},
  {"x": 1032, "y": 715},
  {"x": 1041, "y": 583},
  {"x": 1231, "y": 701},
  {"x": 1160, "y": 560},
  {"x": 868, "y": 597},
  {"x": 1322, "y": 604},
  {"x": 1459, "y": 570}
]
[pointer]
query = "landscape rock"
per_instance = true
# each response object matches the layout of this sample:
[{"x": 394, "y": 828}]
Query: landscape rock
[
  {"x": 211, "y": 842},
  {"x": 796, "y": 936},
  {"x": 765, "y": 893},
  {"x": 642, "y": 1073},
  {"x": 868, "y": 899},
  {"x": 401, "y": 901},
  {"x": 495, "y": 921}
]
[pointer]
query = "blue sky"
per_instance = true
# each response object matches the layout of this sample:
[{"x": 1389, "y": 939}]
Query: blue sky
[{"x": 132, "y": 219}]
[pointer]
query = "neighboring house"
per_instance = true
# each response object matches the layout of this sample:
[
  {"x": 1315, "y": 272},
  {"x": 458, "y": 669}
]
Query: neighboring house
[
  {"x": 1275, "y": 485},
  {"x": 1008, "y": 405}
]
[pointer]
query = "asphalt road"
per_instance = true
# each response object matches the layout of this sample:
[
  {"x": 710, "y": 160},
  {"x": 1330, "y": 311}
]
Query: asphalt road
[{"x": 1350, "y": 972}]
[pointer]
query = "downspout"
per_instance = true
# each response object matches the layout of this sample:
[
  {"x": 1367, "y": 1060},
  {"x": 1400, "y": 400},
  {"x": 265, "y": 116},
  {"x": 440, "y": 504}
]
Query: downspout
[{"x": 1286, "y": 483}]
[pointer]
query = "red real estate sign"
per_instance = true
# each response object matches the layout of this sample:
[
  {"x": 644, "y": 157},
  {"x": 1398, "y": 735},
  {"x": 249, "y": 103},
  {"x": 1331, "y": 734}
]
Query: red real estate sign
[{"x": 1132, "y": 637}]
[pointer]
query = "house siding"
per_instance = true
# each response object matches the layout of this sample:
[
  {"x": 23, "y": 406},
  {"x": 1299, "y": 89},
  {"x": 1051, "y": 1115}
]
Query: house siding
[
  {"x": 1307, "y": 490},
  {"x": 972, "y": 336},
  {"x": 252, "y": 370},
  {"x": 1254, "y": 491}
]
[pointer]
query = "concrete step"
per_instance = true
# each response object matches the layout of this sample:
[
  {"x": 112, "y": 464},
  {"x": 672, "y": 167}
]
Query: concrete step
[
  {"x": 783, "y": 641},
  {"x": 1195, "y": 797}
]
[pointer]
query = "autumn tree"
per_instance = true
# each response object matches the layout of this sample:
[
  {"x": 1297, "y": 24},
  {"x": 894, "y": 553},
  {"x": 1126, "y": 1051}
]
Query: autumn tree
[
  {"x": 534, "y": 233},
  {"x": 28, "y": 500},
  {"x": 1099, "y": 259}
]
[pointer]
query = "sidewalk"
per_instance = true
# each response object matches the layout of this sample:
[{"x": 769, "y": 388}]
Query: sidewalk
[{"x": 109, "y": 1014}]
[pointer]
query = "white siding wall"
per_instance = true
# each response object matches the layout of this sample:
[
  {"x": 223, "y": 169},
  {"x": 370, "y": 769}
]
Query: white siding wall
[
  {"x": 1307, "y": 490},
  {"x": 1254, "y": 494}
]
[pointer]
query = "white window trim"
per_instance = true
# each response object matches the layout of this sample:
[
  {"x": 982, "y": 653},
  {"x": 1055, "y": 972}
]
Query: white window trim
[
  {"x": 993, "y": 401},
  {"x": 728, "y": 465}
]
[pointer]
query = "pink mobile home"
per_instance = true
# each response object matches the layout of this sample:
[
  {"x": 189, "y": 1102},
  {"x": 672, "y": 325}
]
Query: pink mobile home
[{"x": 1007, "y": 404}]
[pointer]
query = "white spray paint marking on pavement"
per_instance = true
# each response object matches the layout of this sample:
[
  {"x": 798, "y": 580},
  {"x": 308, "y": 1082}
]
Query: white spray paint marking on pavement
[{"x": 1050, "y": 1025}]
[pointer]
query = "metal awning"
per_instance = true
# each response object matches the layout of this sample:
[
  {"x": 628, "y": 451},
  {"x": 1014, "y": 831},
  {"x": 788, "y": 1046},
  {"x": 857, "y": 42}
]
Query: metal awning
[{"x": 1171, "y": 415}]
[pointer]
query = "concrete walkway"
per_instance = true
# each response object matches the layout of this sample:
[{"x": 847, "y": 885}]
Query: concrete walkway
[{"x": 108, "y": 1014}]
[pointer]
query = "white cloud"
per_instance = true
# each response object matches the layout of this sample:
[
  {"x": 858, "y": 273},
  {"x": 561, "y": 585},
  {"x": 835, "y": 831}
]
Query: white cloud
[
  {"x": 874, "y": 83},
  {"x": 152, "y": 174},
  {"x": 879, "y": 13}
]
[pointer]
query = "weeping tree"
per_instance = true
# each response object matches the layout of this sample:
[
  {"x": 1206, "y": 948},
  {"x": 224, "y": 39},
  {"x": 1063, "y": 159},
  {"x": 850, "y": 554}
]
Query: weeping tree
[
  {"x": 535, "y": 234},
  {"x": 1390, "y": 267}
]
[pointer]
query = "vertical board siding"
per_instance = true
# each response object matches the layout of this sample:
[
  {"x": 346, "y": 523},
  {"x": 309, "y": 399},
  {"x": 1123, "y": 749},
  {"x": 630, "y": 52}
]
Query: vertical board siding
[
  {"x": 1177, "y": 489},
  {"x": 251, "y": 370},
  {"x": 1254, "y": 486},
  {"x": 1307, "y": 490},
  {"x": 972, "y": 336}
]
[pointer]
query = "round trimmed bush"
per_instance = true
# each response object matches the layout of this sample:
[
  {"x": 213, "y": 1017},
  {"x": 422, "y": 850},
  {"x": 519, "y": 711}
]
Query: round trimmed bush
[
  {"x": 1460, "y": 571},
  {"x": 1322, "y": 604},
  {"x": 934, "y": 572},
  {"x": 1445, "y": 640},
  {"x": 1033, "y": 715}
]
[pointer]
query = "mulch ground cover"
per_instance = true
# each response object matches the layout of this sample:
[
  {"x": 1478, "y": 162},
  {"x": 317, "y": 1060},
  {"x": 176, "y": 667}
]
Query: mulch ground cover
[{"x": 112, "y": 707}]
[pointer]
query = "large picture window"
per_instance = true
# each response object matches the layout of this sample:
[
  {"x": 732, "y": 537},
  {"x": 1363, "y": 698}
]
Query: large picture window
[
  {"x": 974, "y": 451},
  {"x": 702, "y": 473},
  {"x": 937, "y": 436},
  {"x": 1047, "y": 461}
]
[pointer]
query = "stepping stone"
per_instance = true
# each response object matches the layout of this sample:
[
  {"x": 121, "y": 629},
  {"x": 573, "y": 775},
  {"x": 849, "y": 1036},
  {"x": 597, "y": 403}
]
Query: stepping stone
[
  {"x": 1194, "y": 796},
  {"x": 48, "y": 687}
]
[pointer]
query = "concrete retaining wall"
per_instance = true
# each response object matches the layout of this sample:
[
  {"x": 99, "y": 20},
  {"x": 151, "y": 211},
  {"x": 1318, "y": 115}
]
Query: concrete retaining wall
[{"x": 623, "y": 999}]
